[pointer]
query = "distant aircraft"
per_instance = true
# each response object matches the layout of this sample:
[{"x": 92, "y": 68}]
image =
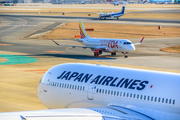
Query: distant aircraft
[
  {"x": 116, "y": 3},
  {"x": 161, "y": 1},
  {"x": 82, "y": 2},
  {"x": 112, "y": 15},
  {"x": 104, "y": 93},
  {"x": 100, "y": 45}
]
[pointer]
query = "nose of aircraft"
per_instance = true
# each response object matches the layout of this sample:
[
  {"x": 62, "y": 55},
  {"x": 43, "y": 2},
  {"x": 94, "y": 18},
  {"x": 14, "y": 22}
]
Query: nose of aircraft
[{"x": 132, "y": 47}]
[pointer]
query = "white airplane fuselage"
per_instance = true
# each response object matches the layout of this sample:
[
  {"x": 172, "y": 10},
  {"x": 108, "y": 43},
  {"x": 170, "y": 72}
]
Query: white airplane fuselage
[
  {"x": 152, "y": 93},
  {"x": 112, "y": 15},
  {"x": 113, "y": 45},
  {"x": 100, "y": 45}
]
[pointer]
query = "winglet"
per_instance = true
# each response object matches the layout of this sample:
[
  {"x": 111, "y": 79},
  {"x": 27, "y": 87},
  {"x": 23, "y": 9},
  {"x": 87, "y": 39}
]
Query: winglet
[
  {"x": 55, "y": 42},
  {"x": 142, "y": 40},
  {"x": 82, "y": 31}
]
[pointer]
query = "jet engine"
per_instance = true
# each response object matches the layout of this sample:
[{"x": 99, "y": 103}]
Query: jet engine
[{"x": 97, "y": 52}]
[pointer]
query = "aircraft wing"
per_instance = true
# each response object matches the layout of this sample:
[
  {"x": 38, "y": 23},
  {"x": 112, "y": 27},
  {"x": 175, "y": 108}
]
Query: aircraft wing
[
  {"x": 97, "y": 113},
  {"x": 74, "y": 46}
]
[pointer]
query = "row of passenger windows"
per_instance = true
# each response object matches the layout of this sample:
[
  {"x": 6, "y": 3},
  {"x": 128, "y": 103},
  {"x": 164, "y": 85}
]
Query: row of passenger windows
[
  {"x": 68, "y": 86},
  {"x": 135, "y": 96},
  {"x": 115, "y": 93}
]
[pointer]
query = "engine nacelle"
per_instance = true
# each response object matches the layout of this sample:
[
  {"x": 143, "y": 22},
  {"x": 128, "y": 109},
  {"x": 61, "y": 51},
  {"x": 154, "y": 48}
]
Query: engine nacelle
[{"x": 98, "y": 51}]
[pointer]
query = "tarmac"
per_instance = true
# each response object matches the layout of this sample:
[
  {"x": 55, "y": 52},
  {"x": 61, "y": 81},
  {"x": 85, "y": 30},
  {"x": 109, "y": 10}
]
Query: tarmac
[{"x": 19, "y": 82}]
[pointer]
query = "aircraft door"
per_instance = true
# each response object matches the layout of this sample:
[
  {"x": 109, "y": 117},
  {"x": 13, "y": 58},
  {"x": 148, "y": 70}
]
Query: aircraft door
[
  {"x": 90, "y": 91},
  {"x": 119, "y": 45}
]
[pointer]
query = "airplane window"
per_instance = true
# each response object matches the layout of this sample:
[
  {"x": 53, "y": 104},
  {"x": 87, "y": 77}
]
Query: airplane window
[
  {"x": 155, "y": 99},
  {"x": 166, "y": 100},
  {"x": 103, "y": 91},
  {"x": 118, "y": 93},
  {"x": 81, "y": 88},
  {"x": 173, "y": 102},
  {"x": 60, "y": 85},
  {"x": 141, "y": 97},
  {"x": 49, "y": 83},
  {"x": 108, "y": 92},
  {"x": 97, "y": 90},
  {"x": 57, "y": 84},
  {"x": 111, "y": 92},
  {"x": 131, "y": 95},
  {"x": 124, "y": 94},
  {"x": 121, "y": 94},
  {"x": 77, "y": 87},
  {"x": 127, "y": 94},
  {"x": 163, "y": 100},
  {"x": 134, "y": 96},
  {"x": 152, "y": 98},
  {"x": 64, "y": 85},
  {"x": 67, "y": 85},
  {"x": 127, "y": 43},
  {"x": 114, "y": 92},
  {"x": 138, "y": 96},
  {"x": 169, "y": 101},
  {"x": 148, "y": 98},
  {"x": 144, "y": 97},
  {"x": 159, "y": 99},
  {"x": 73, "y": 87}
]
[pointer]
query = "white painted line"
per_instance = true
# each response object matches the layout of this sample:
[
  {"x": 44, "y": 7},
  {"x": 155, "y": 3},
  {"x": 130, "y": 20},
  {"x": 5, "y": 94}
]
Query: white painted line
[
  {"x": 17, "y": 9},
  {"x": 20, "y": 25},
  {"x": 25, "y": 22}
]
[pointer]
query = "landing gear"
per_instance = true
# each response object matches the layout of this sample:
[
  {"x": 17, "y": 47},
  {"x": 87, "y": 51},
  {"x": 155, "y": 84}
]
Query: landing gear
[
  {"x": 105, "y": 18},
  {"x": 96, "y": 55},
  {"x": 117, "y": 17},
  {"x": 100, "y": 18},
  {"x": 126, "y": 55},
  {"x": 113, "y": 53}
]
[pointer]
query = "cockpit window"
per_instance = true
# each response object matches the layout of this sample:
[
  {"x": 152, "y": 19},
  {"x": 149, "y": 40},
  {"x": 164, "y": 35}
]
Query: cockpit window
[
  {"x": 46, "y": 77},
  {"x": 127, "y": 43}
]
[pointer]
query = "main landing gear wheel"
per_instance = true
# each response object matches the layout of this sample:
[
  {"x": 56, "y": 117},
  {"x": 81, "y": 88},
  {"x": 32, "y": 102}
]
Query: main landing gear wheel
[
  {"x": 126, "y": 55},
  {"x": 113, "y": 53},
  {"x": 96, "y": 55}
]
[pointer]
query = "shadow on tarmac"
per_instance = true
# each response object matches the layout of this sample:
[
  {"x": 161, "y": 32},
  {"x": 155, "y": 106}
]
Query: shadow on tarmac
[{"x": 79, "y": 57}]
